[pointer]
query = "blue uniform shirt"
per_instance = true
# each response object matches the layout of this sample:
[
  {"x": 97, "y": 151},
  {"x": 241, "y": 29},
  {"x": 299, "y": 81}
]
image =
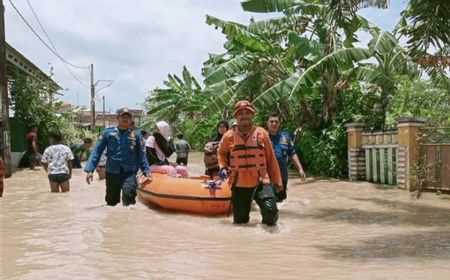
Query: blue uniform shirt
[
  {"x": 283, "y": 148},
  {"x": 125, "y": 151}
]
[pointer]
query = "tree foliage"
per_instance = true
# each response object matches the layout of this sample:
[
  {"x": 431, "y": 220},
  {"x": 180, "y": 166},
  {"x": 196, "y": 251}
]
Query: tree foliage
[
  {"x": 423, "y": 98},
  {"x": 426, "y": 25},
  {"x": 33, "y": 103},
  {"x": 303, "y": 63}
]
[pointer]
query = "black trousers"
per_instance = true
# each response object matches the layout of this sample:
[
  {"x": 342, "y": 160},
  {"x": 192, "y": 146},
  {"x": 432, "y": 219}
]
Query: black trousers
[
  {"x": 125, "y": 182},
  {"x": 76, "y": 162},
  {"x": 182, "y": 161},
  {"x": 212, "y": 172},
  {"x": 264, "y": 196}
]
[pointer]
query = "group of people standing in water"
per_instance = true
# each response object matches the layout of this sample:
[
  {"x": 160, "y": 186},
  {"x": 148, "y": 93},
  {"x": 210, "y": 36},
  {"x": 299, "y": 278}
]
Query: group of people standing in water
[{"x": 252, "y": 159}]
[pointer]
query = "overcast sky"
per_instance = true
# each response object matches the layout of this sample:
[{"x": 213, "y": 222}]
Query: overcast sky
[{"x": 135, "y": 43}]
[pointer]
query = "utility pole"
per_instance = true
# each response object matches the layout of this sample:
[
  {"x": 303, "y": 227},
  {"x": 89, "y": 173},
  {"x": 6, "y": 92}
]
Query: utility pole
[
  {"x": 5, "y": 131},
  {"x": 104, "y": 120},
  {"x": 103, "y": 98},
  {"x": 92, "y": 99}
]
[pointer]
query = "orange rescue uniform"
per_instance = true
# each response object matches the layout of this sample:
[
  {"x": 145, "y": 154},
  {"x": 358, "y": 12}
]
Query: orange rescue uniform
[{"x": 250, "y": 149}]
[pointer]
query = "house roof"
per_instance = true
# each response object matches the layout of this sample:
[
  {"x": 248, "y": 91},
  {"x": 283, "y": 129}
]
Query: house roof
[
  {"x": 135, "y": 112},
  {"x": 14, "y": 57},
  {"x": 110, "y": 118}
]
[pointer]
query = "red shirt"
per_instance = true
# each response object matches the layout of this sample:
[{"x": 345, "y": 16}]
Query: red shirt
[{"x": 30, "y": 138}]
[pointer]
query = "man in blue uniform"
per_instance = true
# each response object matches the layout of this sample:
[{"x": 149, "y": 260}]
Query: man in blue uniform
[
  {"x": 284, "y": 149},
  {"x": 125, "y": 155}
]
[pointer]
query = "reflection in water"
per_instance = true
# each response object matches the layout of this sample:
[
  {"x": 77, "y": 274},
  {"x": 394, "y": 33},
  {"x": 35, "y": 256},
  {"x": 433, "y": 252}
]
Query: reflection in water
[{"x": 327, "y": 229}]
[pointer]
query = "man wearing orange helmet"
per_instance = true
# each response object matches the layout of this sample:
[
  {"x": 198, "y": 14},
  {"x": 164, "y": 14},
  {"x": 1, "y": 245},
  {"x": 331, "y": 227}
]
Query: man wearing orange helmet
[{"x": 246, "y": 157}]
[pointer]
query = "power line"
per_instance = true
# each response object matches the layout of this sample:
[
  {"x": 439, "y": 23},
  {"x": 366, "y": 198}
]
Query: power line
[
  {"x": 51, "y": 42},
  {"x": 53, "y": 51},
  {"x": 54, "y": 47},
  {"x": 39, "y": 37}
]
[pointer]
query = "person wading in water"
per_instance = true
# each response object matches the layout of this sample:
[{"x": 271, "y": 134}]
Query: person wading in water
[
  {"x": 124, "y": 157},
  {"x": 57, "y": 161},
  {"x": 284, "y": 149},
  {"x": 245, "y": 157}
]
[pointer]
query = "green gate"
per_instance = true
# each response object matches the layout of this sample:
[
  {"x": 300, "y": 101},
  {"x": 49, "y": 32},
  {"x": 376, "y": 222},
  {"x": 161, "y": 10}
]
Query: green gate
[{"x": 380, "y": 153}]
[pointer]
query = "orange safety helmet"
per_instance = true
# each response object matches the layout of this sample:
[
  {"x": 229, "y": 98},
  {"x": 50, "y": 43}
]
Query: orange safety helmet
[{"x": 241, "y": 105}]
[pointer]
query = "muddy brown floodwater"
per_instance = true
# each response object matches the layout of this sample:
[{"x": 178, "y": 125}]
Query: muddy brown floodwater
[{"x": 328, "y": 229}]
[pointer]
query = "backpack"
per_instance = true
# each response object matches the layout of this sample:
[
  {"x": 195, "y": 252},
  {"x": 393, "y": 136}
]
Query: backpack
[{"x": 210, "y": 154}]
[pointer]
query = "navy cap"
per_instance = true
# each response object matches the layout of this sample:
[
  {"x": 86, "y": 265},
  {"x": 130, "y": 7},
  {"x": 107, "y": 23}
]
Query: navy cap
[{"x": 124, "y": 110}]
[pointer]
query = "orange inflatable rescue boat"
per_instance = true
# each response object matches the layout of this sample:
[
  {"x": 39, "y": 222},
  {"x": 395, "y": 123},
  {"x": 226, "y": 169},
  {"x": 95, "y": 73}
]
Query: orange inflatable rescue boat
[{"x": 193, "y": 195}]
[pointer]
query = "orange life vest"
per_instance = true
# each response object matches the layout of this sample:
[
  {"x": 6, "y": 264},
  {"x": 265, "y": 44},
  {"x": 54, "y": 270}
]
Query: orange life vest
[{"x": 248, "y": 158}]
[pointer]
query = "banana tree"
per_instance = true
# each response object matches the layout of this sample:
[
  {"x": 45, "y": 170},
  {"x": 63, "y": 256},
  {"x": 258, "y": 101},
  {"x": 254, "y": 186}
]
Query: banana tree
[
  {"x": 181, "y": 98},
  {"x": 391, "y": 60},
  {"x": 319, "y": 64},
  {"x": 255, "y": 59},
  {"x": 426, "y": 25}
]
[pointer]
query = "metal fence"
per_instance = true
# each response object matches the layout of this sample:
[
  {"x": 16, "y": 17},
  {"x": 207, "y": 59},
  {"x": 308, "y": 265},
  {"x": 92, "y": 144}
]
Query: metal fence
[{"x": 433, "y": 168}]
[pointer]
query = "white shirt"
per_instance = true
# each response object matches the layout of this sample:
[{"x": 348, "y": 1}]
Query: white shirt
[{"x": 57, "y": 156}]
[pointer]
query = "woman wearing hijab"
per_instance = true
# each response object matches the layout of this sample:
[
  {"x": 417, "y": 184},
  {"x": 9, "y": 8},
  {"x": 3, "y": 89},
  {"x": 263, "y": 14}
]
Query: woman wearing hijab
[{"x": 159, "y": 147}]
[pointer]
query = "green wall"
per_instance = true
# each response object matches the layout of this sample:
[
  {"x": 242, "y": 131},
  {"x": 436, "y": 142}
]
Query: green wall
[{"x": 18, "y": 131}]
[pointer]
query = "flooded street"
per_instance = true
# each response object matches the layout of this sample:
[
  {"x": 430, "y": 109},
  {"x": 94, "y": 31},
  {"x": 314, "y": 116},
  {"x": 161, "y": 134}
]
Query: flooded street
[{"x": 328, "y": 229}]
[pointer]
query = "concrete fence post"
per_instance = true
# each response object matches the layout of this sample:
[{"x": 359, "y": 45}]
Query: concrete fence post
[
  {"x": 356, "y": 165},
  {"x": 408, "y": 150}
]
